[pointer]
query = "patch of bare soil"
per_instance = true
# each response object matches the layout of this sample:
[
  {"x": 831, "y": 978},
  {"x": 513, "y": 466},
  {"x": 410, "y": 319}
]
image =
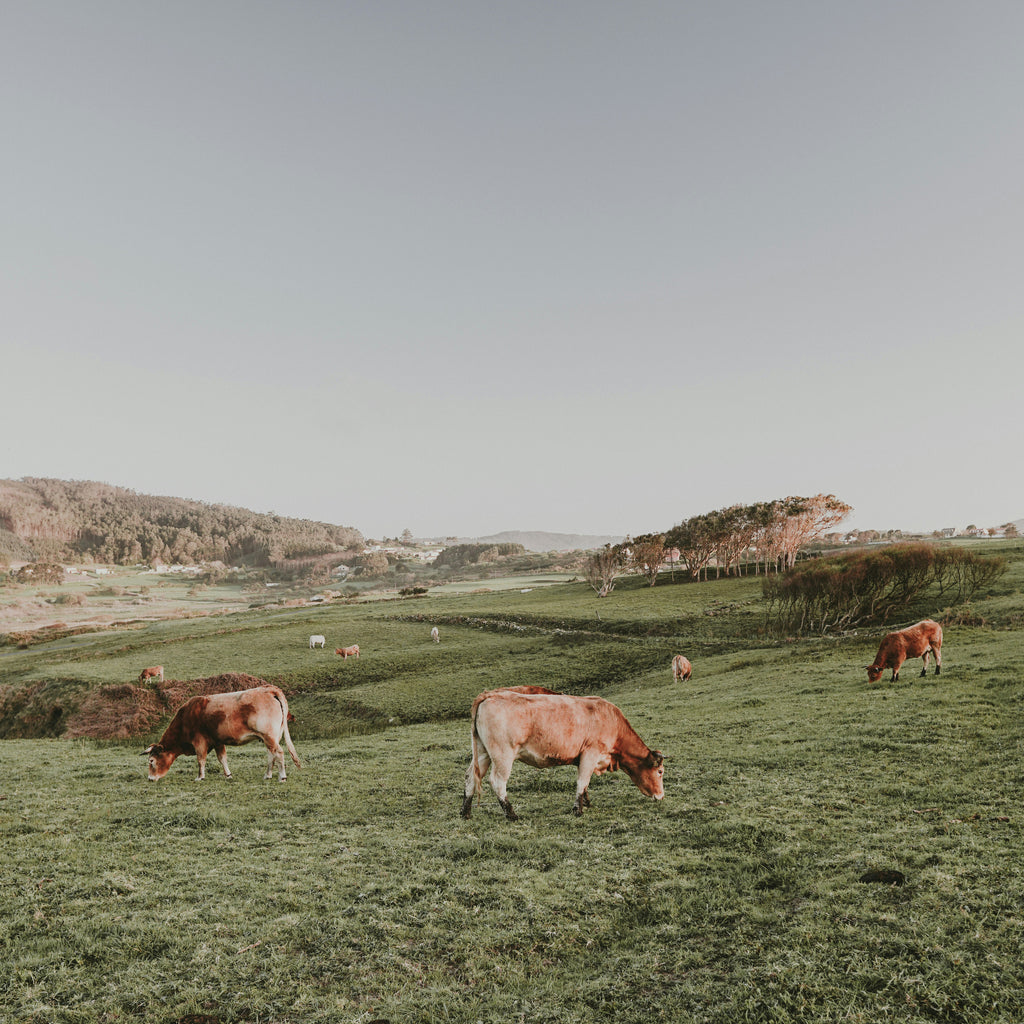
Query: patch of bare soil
[{"x": 122, "y": 711}]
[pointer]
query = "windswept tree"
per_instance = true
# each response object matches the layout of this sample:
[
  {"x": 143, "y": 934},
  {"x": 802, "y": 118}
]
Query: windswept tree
[
  {"x": 604, "y": 567},
  {"x": 646, "y": 553},
  {"x": 807, "y": 519},
  {"x": 695, "y": 539}
]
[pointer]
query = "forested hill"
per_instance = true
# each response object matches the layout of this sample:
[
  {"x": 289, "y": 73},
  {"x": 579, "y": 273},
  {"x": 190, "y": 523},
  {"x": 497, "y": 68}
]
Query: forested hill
[{"x": 67, "y": 520}]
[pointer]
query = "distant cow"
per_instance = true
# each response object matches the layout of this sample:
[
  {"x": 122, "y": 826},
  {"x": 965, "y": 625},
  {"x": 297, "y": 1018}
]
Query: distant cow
[
  {"x": 913, "y": 642},
  {"x": 547, "y": 729},
  {"x": 221, "y": 720},
  {"x": 156, "y": 672},
  {"x": 681, "y": 668},
  {"x": 347, "y": 652},
  {"x": 317, "y": 640},
  {"x": 435, "y": 636}
]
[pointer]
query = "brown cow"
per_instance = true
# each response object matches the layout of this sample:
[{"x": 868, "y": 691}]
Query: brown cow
[
  {"x": 346, "y": 652},
  {"x": 156, "y": 672},
  {"x": 681, "y": 668},
  {"x": 225, "y": 719},
  {"x": 913, "y": 642},
  {"x": 549, "y": 729}
]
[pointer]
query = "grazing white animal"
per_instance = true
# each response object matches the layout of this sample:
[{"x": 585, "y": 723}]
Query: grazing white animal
[
  {"x": 435, "y": 636},
  {"x": 314, "y": 640}
]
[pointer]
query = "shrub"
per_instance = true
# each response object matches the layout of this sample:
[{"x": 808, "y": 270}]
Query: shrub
[{"x": 871, "y": 587}]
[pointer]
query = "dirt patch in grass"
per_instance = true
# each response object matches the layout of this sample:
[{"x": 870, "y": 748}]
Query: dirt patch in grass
[{"x": 123, "y": 711}]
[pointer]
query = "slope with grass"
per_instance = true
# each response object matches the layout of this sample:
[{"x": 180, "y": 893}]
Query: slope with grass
[{"x": 354, "y": 892}]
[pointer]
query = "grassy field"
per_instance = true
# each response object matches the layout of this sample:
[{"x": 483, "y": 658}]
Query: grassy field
[{"x": 353, "y": 892}]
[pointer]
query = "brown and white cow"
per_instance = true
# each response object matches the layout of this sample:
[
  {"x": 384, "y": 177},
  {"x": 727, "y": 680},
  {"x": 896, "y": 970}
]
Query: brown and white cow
[
  {"x": 681, "y": 668},
  {"x": 220, "y": 720},
  {"x": 913, "y": 642},
  {"x": 156, "y": 672},
  {"x": 547, "y": 729},
  {"x": 348, "y": 652}
]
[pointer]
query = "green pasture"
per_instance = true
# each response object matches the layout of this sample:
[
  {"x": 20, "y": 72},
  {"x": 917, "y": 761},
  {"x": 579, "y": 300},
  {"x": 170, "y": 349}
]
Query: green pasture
[{"x": 354, "y": 892}]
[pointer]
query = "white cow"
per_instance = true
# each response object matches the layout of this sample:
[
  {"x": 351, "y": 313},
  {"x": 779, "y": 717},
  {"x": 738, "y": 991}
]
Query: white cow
[
  {"x": 314, "y": 640},
  {"x": 435, "y": 636}
]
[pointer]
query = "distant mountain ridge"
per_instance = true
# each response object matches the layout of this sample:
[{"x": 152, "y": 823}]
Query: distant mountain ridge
[{"x": 539, "y": 540}]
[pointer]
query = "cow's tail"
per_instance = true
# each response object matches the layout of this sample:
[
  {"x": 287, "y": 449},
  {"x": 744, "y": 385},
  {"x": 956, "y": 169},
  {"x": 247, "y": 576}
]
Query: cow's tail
[
  {"x": 474, "y": 739},
  {"x": 283, "y": 701}
]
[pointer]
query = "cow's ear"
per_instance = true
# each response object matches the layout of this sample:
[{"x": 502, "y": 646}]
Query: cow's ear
[{"x": 657, "y": 757}]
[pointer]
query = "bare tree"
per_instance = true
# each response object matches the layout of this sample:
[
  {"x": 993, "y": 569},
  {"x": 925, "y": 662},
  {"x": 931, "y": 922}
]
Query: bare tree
[{"x": 603, "y": 568}]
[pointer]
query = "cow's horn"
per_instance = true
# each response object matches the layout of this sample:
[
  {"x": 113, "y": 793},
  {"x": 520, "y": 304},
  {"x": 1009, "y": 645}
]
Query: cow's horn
[{"x": 148, "y": 750}]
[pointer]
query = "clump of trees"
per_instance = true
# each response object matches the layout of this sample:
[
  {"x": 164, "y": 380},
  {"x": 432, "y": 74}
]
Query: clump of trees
[
  {"x": 40, "y": 572},
  {"x": 845, "y": 591},
  {"x": 767, "y": 535},
  {"x": 459, "y": 555}
]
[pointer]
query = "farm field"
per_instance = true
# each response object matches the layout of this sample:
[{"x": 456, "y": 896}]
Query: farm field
[{"x": 353, "y": 892}]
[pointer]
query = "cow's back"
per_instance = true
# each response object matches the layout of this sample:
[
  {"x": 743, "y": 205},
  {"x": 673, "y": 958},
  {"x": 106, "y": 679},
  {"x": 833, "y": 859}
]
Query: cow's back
[
  {"x": 235, "y": 717},
  {"x": 559, "y": 723}
]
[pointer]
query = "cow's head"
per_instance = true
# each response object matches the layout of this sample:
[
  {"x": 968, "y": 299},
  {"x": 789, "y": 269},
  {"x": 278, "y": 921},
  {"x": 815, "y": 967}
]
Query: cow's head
[
  {"x": 875, "y": 673},
  {"x": 647, "y": 774},
  {"x": 160, "y": 761}
]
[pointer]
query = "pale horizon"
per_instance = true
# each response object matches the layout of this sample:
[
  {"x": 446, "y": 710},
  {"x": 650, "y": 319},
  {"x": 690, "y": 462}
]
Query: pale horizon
[{"x": 581, "y": 268}]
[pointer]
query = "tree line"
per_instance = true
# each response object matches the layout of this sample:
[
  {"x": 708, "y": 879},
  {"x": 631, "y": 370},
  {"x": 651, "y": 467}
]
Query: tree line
[
  {"x": 766, "y": 536},
  {"x": 61, "y": 520}
]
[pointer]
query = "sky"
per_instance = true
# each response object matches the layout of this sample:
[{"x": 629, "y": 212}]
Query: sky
[{"x": 465, "y": 267}]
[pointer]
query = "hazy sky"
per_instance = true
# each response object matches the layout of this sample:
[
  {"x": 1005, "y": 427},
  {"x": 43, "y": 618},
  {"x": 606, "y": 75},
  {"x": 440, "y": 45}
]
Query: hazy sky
[{"x": 462, "y": 267}]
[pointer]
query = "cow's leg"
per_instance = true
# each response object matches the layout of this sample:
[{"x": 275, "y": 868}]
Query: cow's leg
[
  {"x": 924, "y": 659},
  {"x": 937, "y": 651},
  {"x": 584, "y": 773},
  {"x": 201, "y": 749},
  {"x": 222, "y": 756},
  {"x": 500, "y": 773},
  {"x": 476, "y": 771},
  {"x": 275, "y": 754}
]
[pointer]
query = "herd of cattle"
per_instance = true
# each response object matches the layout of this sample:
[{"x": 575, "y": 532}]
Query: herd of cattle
[{"x": 532, "y": 724}]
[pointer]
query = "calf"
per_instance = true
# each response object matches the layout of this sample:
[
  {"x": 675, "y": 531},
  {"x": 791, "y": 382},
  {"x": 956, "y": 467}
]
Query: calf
[
  {"x": 347, "y": 652},
  {"x": 156, "y": 672},
  {"x": 913, "y": 642},
  {"x": 317, "y": 641},
  {"x": 221, "y": 720},
  {"x": 546, "y": 729}
]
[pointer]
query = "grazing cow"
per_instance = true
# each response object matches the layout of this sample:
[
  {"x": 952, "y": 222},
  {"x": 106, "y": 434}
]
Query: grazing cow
[
  {"x": 681, "y": 668},
  {"x": 913, "y": 642},
  {"x": 156, "y": 672},
  {"x": 435, "y": 636},
  {"x": 225, "y": 719},
  {"x": 315, "y": 640},
  {"x": 546, "y": 729},
  {"x": 345, "y": 652}
]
